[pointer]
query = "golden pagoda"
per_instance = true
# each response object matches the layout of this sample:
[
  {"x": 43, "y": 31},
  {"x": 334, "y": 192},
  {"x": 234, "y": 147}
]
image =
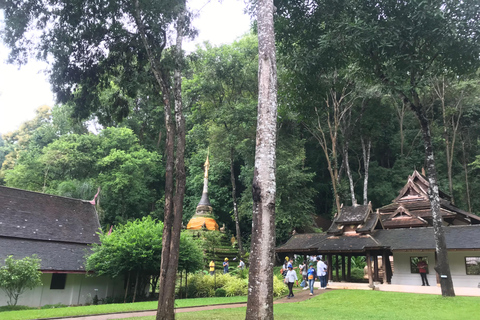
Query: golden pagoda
[{"x": 203, "y": 218}]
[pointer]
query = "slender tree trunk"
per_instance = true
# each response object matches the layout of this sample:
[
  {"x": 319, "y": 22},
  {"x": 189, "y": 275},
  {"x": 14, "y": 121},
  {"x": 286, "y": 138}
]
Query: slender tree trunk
[
  {"x": 442, "y": 266},
  {"x": 186, "y": 284},
  {"x": 465, "y": 169},
  {"x": 260, "y": 284},
  {"x": 401, "y": 117},
  {"x": 234, "y": 198},
  {"x": 366, "y": 164},
  {"x": 172, "y": 230},
  {"x": 126, "y": 289},
  {"x": 349, "y": 174},
  {"x": 181, "y": 282},
  {"x": 135, "y": 290}
]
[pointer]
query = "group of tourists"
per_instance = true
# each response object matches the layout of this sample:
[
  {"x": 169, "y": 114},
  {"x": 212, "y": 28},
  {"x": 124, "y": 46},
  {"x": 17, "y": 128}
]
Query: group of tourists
[
  {"x": 226, "y": 265},
  {"x": 309, "y": 274}
]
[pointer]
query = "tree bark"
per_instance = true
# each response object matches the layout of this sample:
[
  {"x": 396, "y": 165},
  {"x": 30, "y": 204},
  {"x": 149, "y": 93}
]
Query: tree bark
[
  {"x": 366, "y": 164},
  {"x": 260, "y": 284},
  {"x": 349, "y": 174},
  {"x": 173, "y": 222},
  {"x": 234, "y": 199},
  {"x": 442, "y": 266}
]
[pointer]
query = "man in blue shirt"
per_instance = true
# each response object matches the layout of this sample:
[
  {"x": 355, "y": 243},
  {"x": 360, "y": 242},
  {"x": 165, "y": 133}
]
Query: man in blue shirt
[{"x": 225, "y": 266}]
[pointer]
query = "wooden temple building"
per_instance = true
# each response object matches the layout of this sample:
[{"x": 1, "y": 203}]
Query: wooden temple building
[{"x": 400, "y": 232}]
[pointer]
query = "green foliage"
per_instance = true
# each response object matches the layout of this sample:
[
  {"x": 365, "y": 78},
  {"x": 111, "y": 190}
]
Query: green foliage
[
  {"x": 75, "y": 165},
  {"x": 220, "y": 292},
  {"x": 201, "y": 285},
  {"x": 236, "y": 287},
  {"x": 191, "y": 255},
  {"x": 17, "y": 275},
  {"x": 135, "y": 246},
  {"x": 279, "y": 288}
]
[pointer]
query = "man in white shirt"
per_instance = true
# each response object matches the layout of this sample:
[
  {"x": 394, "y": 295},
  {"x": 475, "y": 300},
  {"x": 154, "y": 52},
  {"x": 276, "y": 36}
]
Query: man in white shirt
[{"x": 322, "y": 273}]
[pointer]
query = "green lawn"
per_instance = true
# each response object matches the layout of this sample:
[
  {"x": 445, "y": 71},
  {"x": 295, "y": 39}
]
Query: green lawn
[
  {"x": 110, "y": 308},
  {"x": 359, "y": 304}
]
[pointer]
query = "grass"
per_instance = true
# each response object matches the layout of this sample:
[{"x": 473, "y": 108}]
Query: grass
[
  {"x": 110, "y": 308},
  {"x": 358, "y": 304}
]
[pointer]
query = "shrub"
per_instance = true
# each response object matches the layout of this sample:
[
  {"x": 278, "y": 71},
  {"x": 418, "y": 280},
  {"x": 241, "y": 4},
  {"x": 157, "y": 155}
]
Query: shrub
[
  {"x": 279, "y": 287},
  {"x": 236, "y": 287},
  {"x": 220, "y": 292},
  {"x": 357, "y": 274}
]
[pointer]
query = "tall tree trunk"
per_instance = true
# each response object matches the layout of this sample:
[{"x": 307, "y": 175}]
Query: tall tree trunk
[
  {"x": 234, "y": 199},
  {"x": 401, "y": 117},
  {"x": 349, "y": 174},
  {"x": 450, "y": 129},
  {"x": 366, "y": 164},
  {"x": 442, "y": 266},
  {"x": 173, "y": 222},
  {"x": 465, "y": 169},
  {"x": 260, "y": 284}
]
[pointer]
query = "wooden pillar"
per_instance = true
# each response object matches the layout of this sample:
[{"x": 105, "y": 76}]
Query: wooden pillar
[
  {"x": 330, "y": 267},
  {"x": 389, "y": 269},
  {"x": 375, "y": 268},
  {"x": 336, "y": 268},
  {"x": 384, "y": 263},
  {"x": 369, "y": 270},
  {"x": 344, "y": 273},
  {"x": 349, "y": 268}
]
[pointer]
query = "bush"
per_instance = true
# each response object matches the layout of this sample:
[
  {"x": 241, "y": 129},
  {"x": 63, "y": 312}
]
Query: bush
[
  {"x": 236, "y": 287},
  {"x": 279, "y": 288},
  {"x": 220, "y": 292},
  {"x": 14, "y": 308},
  {"x": 357, "y": 274},
  {"x": 201, "y": 286}
]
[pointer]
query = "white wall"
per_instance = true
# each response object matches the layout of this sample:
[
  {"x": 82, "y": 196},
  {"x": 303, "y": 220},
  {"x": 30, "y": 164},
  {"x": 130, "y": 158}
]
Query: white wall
[
  {"x": 79, "y": 289},
  {"x": 403, "y": 276}
]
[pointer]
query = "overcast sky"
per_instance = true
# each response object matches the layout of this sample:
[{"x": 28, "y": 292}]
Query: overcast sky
[{"x": 23, "y": 90}]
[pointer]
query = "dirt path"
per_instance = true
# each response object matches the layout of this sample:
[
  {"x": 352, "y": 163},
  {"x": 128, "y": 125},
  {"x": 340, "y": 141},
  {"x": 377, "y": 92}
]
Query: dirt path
[{"x": 299, "y": 296}]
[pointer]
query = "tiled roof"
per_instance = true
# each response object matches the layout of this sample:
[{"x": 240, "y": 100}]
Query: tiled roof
[
  {"x": 457, "y": 237},
  {"x": 55, "y": 256},
  {"x": 38, "y": 216},
  {"x": 353, "y": 214}
]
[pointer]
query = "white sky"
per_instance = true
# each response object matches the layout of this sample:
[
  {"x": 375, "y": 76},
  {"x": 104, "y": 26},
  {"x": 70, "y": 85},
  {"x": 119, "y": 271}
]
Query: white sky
[{"x": 23, "y": 90}]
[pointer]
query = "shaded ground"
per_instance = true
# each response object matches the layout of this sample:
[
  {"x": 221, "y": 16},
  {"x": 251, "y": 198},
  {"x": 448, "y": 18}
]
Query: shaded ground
[{"x": 299, "y": 296}]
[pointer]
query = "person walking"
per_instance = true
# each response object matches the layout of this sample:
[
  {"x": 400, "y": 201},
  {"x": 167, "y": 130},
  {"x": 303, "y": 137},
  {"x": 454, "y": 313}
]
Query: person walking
[
  {"x": 303, "y": 271},
  {"x": 225, "y": 266},
  {"x": 241, "y": 265},
  {"x": 290, "y": 279},
  {"x": 212, "y": 267},
  {"x": 322, "y": 273},
  {"x": 311, "y": 276},
  {"x": 422, "y": 269}
]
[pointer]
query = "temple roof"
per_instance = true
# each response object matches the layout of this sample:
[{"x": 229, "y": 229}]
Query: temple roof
[
  {"x": 411, "y": 208},
  {"x": 57, "y": 229},
  {"x": 457, "y": 237},
  {"x": 358, "y": 218},
  {"x": 39, "y": 216}
]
